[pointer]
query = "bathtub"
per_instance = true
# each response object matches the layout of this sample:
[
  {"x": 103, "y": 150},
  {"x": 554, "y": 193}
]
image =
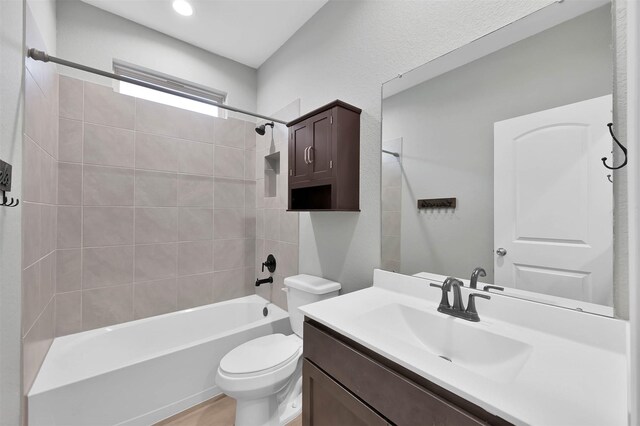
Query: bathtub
[{"x": 143, "y": 371}]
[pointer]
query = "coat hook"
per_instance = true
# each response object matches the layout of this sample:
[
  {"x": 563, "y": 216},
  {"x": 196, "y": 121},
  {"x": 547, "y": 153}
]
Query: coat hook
[
  {"x": 622, "y": 147},
  {"x": 5, "y": 201},
  {"x": 609, "y": 177}
]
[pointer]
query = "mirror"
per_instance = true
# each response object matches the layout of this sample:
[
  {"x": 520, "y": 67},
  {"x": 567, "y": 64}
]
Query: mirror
[{"x": 491, "y": 158}]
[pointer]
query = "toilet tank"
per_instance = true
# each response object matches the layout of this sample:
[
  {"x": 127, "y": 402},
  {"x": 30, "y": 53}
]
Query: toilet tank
[{"x": 304, "y": 289}]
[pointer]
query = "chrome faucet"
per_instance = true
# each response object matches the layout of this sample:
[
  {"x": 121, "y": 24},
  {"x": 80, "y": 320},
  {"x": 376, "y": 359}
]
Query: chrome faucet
[
  {"x": 478, "y": 272},
  {"x": 458, "y": 310}
]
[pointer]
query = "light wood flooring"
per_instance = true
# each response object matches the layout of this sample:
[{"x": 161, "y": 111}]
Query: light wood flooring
[{"x": 218, "y": 411}]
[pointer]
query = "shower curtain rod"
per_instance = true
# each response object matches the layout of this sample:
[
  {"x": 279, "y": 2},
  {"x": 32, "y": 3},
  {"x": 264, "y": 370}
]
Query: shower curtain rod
[
  {"x": 395, "y": 154},
  {"x": 39, "y": 55}
]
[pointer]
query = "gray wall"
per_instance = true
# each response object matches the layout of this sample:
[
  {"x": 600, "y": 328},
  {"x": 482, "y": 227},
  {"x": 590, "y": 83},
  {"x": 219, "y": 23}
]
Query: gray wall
[
  {"x": 346, "y": 51},
  {"x": 11, "y": 116},
  {"x": 93, "y": 37},
  {"x": 447, "y": 127}
]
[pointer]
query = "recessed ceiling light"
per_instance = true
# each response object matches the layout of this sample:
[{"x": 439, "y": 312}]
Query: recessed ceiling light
[{"x": 182, "y": 7}]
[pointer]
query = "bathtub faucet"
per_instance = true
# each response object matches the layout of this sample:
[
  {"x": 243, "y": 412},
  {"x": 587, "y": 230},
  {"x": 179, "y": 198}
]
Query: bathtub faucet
[{"x": 263, "y": 281}]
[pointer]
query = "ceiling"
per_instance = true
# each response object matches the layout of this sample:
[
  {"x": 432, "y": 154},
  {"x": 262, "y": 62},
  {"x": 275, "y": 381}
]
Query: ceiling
[{"x": 247, "y": 31}]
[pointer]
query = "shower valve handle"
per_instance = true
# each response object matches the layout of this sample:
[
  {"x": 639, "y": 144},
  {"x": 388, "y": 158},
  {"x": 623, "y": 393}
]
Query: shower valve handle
[{"x": 270, "y": 263}]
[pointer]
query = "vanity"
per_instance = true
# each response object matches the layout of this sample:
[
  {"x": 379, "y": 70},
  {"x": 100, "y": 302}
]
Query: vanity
[{"x": 385, "y": 355}]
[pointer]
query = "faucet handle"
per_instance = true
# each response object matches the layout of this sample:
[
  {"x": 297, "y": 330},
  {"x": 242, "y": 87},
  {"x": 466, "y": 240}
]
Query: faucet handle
[
  {"x": 444, "y": 300},
  {"x": 471, "y": 304},
  {"x": 492, "y": 287}
]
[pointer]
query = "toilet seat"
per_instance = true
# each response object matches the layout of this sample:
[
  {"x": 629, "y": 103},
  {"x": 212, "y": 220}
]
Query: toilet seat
[{"x": 261, "y": 355}]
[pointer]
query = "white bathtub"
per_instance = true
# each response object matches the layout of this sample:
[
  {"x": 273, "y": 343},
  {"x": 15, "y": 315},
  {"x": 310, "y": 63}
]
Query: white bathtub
[{"x": 141, "y": 372}]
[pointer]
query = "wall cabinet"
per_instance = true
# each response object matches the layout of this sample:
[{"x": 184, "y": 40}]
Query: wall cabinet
[
  {"x": 324, "y": 159},
  {"x": 345, "y": 383}
]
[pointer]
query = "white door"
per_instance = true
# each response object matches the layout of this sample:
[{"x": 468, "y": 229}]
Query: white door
[{"x": 553, "y": 203}]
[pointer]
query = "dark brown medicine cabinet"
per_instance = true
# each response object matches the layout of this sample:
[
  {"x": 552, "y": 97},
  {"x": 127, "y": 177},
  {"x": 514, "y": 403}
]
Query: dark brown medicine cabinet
[{"x": 324, "y": 159}]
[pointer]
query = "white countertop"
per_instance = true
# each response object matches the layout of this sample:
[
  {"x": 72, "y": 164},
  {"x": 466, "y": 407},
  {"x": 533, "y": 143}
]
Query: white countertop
[{"x": 575, "y": 374}]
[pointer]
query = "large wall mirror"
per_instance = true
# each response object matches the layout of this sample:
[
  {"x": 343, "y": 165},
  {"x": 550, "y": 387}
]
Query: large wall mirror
[{"x": 491, "y": 158}]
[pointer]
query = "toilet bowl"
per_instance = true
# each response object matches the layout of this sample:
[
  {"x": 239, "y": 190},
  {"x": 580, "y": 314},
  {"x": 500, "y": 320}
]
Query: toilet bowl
[{"x": 264, "y": 375}]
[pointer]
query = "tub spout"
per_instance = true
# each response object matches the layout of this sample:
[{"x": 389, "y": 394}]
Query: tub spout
[{"x": 263, "y": 281}]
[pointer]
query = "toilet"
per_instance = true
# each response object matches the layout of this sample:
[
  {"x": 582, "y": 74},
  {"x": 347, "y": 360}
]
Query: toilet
[{"x": 264, "y": 375}]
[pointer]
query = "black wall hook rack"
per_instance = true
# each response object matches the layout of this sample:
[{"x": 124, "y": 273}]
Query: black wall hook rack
[
  {"x": 6, "y": 203},
  {"x": 5, "y": 185},
  {"x": 622, "y": 147}
]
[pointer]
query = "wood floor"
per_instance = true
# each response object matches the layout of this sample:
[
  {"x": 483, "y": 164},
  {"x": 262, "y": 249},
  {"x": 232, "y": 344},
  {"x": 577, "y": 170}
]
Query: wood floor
[{"x": 219, "y": 411}]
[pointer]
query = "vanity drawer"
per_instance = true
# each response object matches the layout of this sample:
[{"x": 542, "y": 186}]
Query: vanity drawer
[{"x": 391, "y": 393}]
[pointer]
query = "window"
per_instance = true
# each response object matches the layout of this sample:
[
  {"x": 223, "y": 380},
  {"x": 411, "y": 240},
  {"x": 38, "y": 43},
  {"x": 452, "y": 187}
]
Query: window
[{"x": 169, "y": 82}]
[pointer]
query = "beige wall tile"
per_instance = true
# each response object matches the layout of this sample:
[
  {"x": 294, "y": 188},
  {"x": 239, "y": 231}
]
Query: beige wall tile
[
  {"x": 154, "y": 152},
  {"x": 195, "y": 224},
  {"x": 107, "y": 186},
  {"x": 68, "y": 313},
  {"x": 229, "y": 162},
  {"x": 36, "y": 344},
  {"x": 68, "y": 270},
  {"x": 229, "y": 132},
  {"x": 30, "y": 296},
  {"x": 195, "y": 257},
  {"x": 230, "y": 285},
  {"x": 69, "y": 227},
  {"x": 152, "y": 117},
  {"x": 249, "y": 252},
  {"x": 288, "y": 260},
  {"x": 156, "y": 225},
  {"x": 391, "y": 223},
  {"x": 229, "y": 254},
  {"x": 195, "y": 191},
  {"x": 250, "y": 223},
  {"x": 108, "y": 146},
  {"x": 71, "y": 98},
  {"x": 195, "y": 158},
  {"x": 70, "y": 140},
  {"x": 32, "y": 161},
  {"x": 107, "y": 306},
  {"x": 31, "y": 233},
  {"x": 155, "y": 261},
  {"x": 155, "y": 298},
  {"x": 107, "y": 266},
  {"x": 47, "y": 229},
  {"x": 48, "y": 179},
  {"x": 250, "y": 135},
  {"x": 47, "y": 279},
  {"x": 104, "y": 106},
  {"x": 289, "y": 226},
  {"x": 272, "y": 224},
  {"x": 70, "y": 184},
  {"x": 228, "y": 224},
  {"x": 156, "y": 189},
  {"x": 107, "y": 226},
  {"x": 228, "y": 193},
  {"x": 195, "y": 290},
  {"x": 250, "y": 165}
]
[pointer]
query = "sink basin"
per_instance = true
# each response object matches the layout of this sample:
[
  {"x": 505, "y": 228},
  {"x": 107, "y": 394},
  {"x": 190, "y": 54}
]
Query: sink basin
[{"x": 464, "y": 344}]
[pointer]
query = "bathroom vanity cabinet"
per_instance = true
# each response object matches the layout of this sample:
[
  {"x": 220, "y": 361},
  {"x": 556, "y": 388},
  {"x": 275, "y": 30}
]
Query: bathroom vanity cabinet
[
  {"x": 324, "y": 159},
  {"x": 346, "y": 383}
]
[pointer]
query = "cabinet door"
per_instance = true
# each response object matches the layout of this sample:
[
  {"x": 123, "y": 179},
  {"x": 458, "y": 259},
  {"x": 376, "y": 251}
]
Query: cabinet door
[
  {"x": 299, "y": 141},
  {"x": 326, "y": 403},
  {"x": 320, "y": 154}
]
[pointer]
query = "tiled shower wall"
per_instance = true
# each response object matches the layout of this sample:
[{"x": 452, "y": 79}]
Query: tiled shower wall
[
  {"x": 38, "y": 203},
  {"x": 391, "y": 200},
  {"x": 156, "y": 208},
  {"x": 276, "y": 229}
]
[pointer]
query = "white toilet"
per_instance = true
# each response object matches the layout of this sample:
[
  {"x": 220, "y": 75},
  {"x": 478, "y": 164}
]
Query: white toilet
[{"x": 264, "y": 375}]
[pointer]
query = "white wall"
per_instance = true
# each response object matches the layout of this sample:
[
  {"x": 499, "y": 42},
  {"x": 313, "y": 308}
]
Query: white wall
[
  {"x": 44, "y": 13},
  {"x": 11, "y": 116},
  {"x": 93, "y": 37},
  {"x": 447, "y": 128},
  {"x": 346, "y": 51}
]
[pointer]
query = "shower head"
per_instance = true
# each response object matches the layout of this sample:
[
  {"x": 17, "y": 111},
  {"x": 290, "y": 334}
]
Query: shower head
[{"x": 261, "y": 129}]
